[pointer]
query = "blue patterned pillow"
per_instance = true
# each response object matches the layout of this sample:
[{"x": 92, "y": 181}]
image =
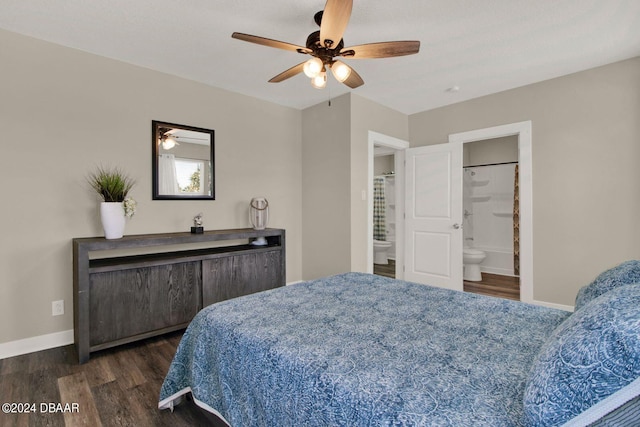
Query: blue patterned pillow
[
  {"x": 626, "y": 273},
  {"x": 591, "y": 355}
]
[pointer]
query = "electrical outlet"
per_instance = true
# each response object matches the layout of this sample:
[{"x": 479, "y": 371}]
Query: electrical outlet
[{"x": 57, "y": 308}]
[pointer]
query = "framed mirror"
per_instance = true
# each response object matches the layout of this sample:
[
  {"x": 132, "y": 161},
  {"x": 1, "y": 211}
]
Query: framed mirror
[{"x": 183, "y": 162}]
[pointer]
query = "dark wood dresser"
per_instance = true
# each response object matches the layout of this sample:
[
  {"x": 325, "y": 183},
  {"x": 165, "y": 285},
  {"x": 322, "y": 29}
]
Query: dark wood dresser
[{"x": 144, "y": 285}]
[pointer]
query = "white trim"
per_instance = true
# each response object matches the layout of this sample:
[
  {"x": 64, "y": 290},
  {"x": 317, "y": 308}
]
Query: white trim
[
  {"x": 563, "y": 307},
  {"x": 400, "y": 194},
  {"x": 294, "y": 282},
  {"x": 397, "y": 145},
  {"x": 33, "y": 344},
  {"x": 523, "y": 130}
]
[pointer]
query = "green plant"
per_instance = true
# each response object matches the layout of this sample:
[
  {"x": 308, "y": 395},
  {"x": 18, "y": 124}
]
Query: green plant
[{"x": 111, "y": 184}]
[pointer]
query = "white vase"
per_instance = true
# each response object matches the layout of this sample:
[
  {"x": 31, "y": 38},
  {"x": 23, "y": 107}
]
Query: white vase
[{"x": 113, "y": 219}]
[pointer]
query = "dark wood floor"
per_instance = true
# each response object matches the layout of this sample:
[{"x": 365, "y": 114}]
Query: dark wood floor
[
  {"x": 492, "y": 284},
  {"x": 387, "y": 270},
  {"x": 117, "y": 387},
  {"x": 495, "y": 285}
]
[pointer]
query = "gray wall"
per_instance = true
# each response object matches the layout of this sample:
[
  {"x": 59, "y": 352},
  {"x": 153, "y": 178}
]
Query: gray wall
[
  {"x": 586, "y": 147},
  {"x": 490, "y": 151},
  {"x": 367, "y": 116},
  {"x": 64, "y": 111},
  {"x": 326, "y": 242},
  {"x": 334, "y": 175},
  {"x": 383, "y": 164}
]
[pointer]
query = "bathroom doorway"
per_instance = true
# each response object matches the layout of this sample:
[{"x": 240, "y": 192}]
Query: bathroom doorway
[
  {"x": 392, "y": 170},
  {"x": 491, "y": 217},
  {"x": 521, "y": 131},
  {"x": 384, "y": 212}
]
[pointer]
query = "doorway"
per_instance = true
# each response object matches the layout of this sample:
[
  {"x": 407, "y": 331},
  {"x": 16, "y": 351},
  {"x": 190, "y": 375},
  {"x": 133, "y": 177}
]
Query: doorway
[
  {"x": 388, "y": 145},
  {"x": 522, "y": 131},
  {"x": 491, "y": 217}
]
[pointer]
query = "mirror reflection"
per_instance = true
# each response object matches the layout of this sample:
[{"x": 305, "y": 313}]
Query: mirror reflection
[{"x": 183, "y": 162}]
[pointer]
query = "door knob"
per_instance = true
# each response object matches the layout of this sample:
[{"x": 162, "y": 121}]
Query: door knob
[{"x": 457, "y": 226}]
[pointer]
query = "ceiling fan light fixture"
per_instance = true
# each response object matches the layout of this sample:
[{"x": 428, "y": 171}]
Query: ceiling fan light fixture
[
  {"x": 313, "y": 67},
  {"x": 341, "y": 71},
  {"x": 322, "y": 47},
  {"x": 319, "y": 81},
  {"x": 168, "y": 143}
]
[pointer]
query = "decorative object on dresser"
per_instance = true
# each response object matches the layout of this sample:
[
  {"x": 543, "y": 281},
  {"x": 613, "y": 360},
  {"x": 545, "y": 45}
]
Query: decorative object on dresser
[
  {"x": 120, "y": 297},
  {"x": 183, "y": 166},
  {"x": 197, "y": 224},
  {"x": 113, "y": 219},
  {"x": 113, "y": 186},
  {"x": 259, "y": 217}
]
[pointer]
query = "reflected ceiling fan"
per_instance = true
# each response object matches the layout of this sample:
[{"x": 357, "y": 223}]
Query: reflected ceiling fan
[
  {"x": 170, "y": 137},
  {"x": 326, "y": 45}
]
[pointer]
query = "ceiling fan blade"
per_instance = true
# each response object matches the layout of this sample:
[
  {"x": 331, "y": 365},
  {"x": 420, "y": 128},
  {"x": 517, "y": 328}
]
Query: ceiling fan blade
[
  {"x": 296, "y": 69},
  {"x": 354, "y": 80},
  {"x": 270, "y": 43},
  {"x": 381, "y": 50},
  {"x": 334, "y": 21}
]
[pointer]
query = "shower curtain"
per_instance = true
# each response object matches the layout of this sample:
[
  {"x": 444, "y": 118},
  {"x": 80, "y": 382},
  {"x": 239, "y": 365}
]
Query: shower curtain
[{"x": 379, "y": 231}]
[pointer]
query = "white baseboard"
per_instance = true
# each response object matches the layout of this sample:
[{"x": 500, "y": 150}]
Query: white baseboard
[
  {"x": 554, "y": 305},
  {"x": 497, "y": 270},
  {"x": 294, "y": 282},
  {"x": 30, "y": 345}
]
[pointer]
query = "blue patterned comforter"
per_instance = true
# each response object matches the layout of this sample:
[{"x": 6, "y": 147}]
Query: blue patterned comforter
[{"x": 361, "y": 350}]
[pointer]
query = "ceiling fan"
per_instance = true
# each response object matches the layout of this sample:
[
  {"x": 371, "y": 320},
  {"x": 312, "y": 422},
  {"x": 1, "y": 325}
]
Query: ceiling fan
[
  {"x": 170, "y": 137},
  {"x": 326, "y": 45}
]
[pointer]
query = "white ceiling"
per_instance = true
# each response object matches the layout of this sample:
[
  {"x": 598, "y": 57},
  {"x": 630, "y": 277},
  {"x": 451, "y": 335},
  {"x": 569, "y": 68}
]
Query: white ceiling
[{"x": 482, "y": 47}]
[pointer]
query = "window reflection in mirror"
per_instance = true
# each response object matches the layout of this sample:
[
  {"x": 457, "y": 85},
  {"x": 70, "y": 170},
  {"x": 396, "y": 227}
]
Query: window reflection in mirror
[{"x": 183, "y": 162}]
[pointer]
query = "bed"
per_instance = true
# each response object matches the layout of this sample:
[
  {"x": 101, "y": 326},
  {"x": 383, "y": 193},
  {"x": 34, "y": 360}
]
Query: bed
[{"x": 362, "y": 350}]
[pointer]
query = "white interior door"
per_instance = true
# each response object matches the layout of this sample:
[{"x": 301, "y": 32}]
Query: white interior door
[{"x": 433, "y": 215}]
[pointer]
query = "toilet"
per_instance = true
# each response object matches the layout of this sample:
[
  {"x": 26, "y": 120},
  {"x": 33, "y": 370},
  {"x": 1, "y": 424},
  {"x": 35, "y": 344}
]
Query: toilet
[
  {"x": 471, "y": 259},
  {"x": 380, "y": 249}
]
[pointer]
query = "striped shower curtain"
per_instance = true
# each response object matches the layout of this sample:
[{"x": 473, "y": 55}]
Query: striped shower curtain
[{"x": 379, "y": 231}]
